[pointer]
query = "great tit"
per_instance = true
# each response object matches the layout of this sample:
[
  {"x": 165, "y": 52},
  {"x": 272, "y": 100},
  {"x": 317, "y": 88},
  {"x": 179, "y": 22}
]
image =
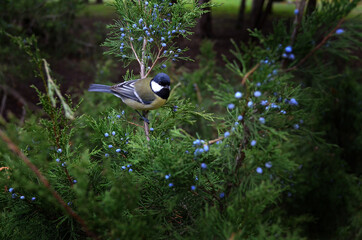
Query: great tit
[{"x": 139, "y": 94}]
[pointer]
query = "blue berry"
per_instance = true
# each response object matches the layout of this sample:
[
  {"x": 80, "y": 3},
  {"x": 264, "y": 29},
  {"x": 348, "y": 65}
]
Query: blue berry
[
  {"x": 150, "y": 40},
  {"x": 110, "y": 146},
  {"x": 64, "y": 164},
  {"x": 259, "y": 170},
  {"x": 134, "y": 25},
  {"x": 262, "y": 120},
  {"x": 163, "y": 66},
  {"x": 193, "y": 188},
  {"x": 283, "y": 111},
  {"x": 222, "y": 195},
  {"x": 33, "y": 198},
  {"x": 231, "y": 106},
  {"x": 163, "y": 44},
  {"x": 226, "y": 134},
  {"x": 57, "y": 160},
  {"x": 13, "y": 195},
  {"x": 121, "y": 29},
  {"x": 197, "y": 142},
  {"x": 301, "y": 121},
  {"x": 206, "y": 148},
  {"x": 167, "y": 176},
  {"x": 75, "y": 181},
  {"x": 257, "y": 93},
  {"x": 203, "y": 165},
  {"x": 264, "y": 102},
  {"x": 238, "y": 95},
  {"x": 59, "y": 150},
  {"x": 236, "y": 123},
  {"x": 123, "y": 167},
  {"x": 163, "y": 39},
  {"x": 144, "y": 28},
  {"x": 118, "y": 150},
  {"x": 151, "y": 129},
  {"x": 291, "y": 56},
  {"x": 11, "y": 189},
  {"x": 196, "y": 178},
  {"x": 296, "y": 11},
  {"x": 130, "y": 170},
  {"x": 339, "y": 31},
  {"x": 240, "y": 118},
  {"x": 113, "y": 133},
  {"x": 258, "y": 84},
  {"x": 288, "y": 49},
  {"x": 253, "y": 143},
  {"x": 140, "y": 21},
  {"x": 106, "y": 155},
  {"x": 179, "y": 50},
  {"x": 296, "y": 126},
  {"x": 140, "y": 39},
  {"x": 292, "y": 101},
  {"x": 146, "y": 3},
  {"x": 250, "y": 104},
  {"x": 106, "y": 134},
  {"x": 268, "y": 164},
  {"x": 170, "y": 184}
]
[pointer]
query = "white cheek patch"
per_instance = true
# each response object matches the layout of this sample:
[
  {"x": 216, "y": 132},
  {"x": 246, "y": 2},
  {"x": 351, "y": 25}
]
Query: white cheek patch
[{"x": 155, "y": 86}]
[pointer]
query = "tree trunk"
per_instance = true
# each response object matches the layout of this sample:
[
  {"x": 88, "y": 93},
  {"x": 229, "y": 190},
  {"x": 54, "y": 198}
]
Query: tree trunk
[
  {"x": 312, "y": 4},
  {"x": 86, "y": 1},
  {"x": 205, "y": 22},
  {"x": 268, "y": 11},
  {"x": 240, "y": 21},
  {"x": 99, "y": 1},
  {"x": 256, "y": 13}
]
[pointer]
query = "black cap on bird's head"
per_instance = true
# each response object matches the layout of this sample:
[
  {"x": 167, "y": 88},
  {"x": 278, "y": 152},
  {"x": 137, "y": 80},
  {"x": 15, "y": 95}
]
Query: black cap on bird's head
[
  {"x": 162, "y": 78},
  {"x": 160, "y": 85}
]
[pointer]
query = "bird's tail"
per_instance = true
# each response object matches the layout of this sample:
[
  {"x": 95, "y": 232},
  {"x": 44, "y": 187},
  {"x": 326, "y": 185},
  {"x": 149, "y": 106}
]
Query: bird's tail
[{"x": 99, "y": 88}]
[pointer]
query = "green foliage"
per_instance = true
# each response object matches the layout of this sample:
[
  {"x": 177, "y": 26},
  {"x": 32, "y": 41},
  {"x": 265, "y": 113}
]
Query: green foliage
[
  {"x": 146, "y": 31},
  {"x": 252, "y": 153}
]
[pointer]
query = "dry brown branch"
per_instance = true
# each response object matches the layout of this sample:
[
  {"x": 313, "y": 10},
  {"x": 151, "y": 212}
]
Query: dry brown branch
[
  {"x": 324, "y": 40},
  {"x": 15, "y": 149},
  {"x": 249, "y": 73}
]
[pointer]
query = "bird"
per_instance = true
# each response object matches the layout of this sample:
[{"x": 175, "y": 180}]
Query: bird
[{"x": 140, "y": 94}]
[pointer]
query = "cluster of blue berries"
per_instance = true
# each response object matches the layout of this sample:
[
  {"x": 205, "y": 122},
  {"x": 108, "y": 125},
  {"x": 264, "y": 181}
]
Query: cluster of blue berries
[
  {"x": 202, "y": 147},
  {"x": 267, "y": 165},
  {"x": 127, "y": 167},
  {"x": 110, "y": 146},
  {"x": 288, "y": 53},
  {"x": 22, "y": 197}
]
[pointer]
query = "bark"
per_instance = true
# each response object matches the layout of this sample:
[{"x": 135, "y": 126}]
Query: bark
[{"x": 241, "y": 15}]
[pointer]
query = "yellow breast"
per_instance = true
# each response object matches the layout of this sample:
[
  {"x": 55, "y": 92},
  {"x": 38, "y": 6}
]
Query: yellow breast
[{"x": 158, "y": 102}]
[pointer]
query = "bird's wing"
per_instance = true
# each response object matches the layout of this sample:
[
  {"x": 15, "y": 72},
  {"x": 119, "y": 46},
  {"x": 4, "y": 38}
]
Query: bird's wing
[{"x": 126, "y": 90}]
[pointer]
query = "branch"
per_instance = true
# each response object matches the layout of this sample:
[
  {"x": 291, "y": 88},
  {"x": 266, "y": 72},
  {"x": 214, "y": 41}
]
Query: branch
[
  {"x": 135, "y": 53},
  {"x": 329, "y": 35},
  {"x": 154, "y": 63},
  {"x": 249, "y": 73},
  {"x": 15, "y": 149}
]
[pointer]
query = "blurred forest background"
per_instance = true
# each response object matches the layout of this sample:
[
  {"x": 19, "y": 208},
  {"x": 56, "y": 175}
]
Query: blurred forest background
[
  {"x": 279, "y": 112},
  {"x": 70, "y": 33}
]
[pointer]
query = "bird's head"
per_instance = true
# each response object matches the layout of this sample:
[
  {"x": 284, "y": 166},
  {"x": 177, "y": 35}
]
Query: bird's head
[{"x": 160, "y": 85}]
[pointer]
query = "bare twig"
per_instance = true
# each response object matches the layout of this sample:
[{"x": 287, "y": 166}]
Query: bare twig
[
  {"x": 154, "y": 63},
  {"x": 215, "y": 140},
  {"x": 249, "y": 73},
  {"x": 46, "y": 183},
  {"x": 146, "y": 127},
  {"x": 297, "y": 20},
  {"x": 324, "y": 40},
  {"x": 135, "y": 54},
  {"x": 135, "y": 124}
]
